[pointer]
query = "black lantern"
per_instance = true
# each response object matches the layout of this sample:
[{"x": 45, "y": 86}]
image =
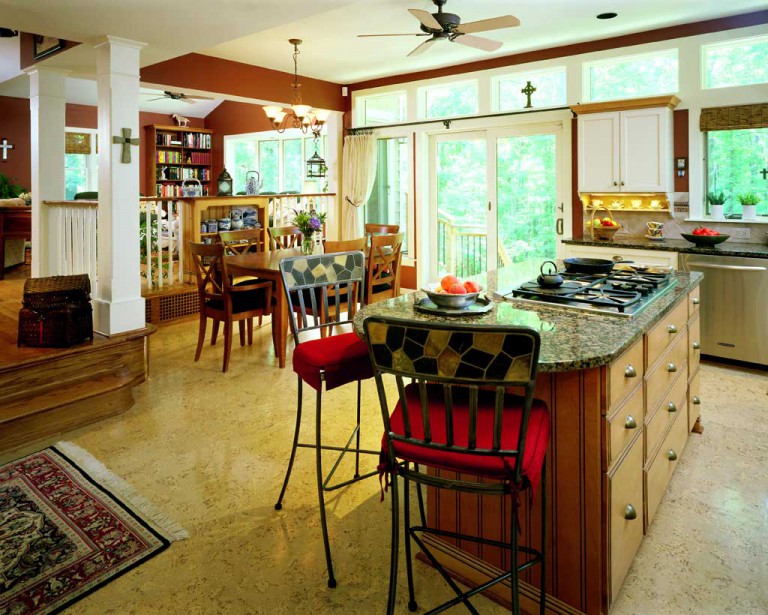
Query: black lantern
[
  {"x": 316, "y": 167},
  {"x": 225, "y": 184}
]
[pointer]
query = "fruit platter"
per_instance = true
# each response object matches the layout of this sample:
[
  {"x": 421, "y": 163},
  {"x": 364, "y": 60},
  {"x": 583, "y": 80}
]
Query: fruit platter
[
  {"x": 705, "y": 237},
  {"x": 603, "y": 228},
  {"x": 452, "y": 296}
]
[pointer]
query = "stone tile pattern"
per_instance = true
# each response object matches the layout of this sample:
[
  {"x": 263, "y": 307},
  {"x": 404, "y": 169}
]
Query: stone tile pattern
[
  {"x": 491, "y": 356},
  {"x": 727, "y": 248},
  {"x": 303, "y": 271}
]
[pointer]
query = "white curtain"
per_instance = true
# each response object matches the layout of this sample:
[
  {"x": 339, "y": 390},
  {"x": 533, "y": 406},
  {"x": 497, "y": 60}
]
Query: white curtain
[{"x": 359, "y": 165}]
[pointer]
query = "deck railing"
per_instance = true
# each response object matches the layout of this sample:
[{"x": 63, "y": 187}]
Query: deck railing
[
  {"x": 463, "y": 248},
  {"x": 283, "y": 206},
  {"x": 161, "y": 235}
]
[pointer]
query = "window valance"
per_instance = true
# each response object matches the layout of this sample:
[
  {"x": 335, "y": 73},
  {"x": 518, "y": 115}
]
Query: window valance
[
  {"x": 739, "y": 117},
  {"x": 77, "y": 143}
]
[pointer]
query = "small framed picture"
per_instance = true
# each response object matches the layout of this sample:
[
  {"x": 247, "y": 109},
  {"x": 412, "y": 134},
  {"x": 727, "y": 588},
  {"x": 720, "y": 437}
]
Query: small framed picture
[
  {"x": 45, "y": 45},
  {"x": 680, "y": 163}
]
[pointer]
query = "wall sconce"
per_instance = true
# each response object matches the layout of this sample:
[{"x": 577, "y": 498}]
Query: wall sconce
[{"x": 680, "y": 166}]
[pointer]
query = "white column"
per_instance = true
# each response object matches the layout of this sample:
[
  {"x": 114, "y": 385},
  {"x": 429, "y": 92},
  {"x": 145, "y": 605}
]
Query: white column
[
  {"x": 119, "y": 305},
  {"x": 47, "y": 103}
]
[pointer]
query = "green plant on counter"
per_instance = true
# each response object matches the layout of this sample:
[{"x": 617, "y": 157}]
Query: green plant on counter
[
  {"x": 716, "y": 198},
  {"x": 9, "y": 190},
  {"x": 749, "y": 198}
]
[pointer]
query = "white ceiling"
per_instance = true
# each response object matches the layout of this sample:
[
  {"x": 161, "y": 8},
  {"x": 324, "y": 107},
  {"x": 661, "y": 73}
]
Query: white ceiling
[
  {"x": 332, "y": 51},
  {"x": 9, "y": 58}
]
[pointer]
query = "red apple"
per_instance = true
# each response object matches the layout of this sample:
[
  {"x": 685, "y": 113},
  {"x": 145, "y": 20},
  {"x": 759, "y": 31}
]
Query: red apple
[
  {"x": 449, "y": 281},
  {"x": 457, "y": 289},
  {"x": 472, "y": 286}
]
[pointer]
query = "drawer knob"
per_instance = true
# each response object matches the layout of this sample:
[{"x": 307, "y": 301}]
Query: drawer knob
[
  {"x": 671, "y": 407},
  {"x": 615, "y": 183},
  {"x": 630, "y": 423},
  {"x": 672, "y": 455},
  {"x": 696, "y": 401},
  {"x": 671, "y": 367},
  {"x": 630, "y": 372},
  {"x": 672, "y": 329},
  {"x": 695, "y": 301},
  {"x": 621, "y": 183},
  {"x": 630, "y": 513},
  {"x": 696, "y": 346}
]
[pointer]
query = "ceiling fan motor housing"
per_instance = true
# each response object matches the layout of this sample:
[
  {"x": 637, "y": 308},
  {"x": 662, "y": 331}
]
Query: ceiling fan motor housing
[{"x": 448, "y": 21}]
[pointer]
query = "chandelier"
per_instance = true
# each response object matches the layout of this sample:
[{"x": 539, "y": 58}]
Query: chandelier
[{"x": 299, "y": 115}]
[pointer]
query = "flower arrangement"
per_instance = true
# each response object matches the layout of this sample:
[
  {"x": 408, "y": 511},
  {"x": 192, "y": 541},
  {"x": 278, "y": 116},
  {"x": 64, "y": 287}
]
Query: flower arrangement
[{"x": 308, "y": 222}]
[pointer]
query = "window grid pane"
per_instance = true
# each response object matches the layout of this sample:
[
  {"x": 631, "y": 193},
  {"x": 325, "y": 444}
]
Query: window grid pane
[
  {"x": 632, "y": 77},
  {"x": 269, "y": 165},
  {"x": 388, "y": 203},
  {"x": 388, "y": 109},
  {"x": 738, "y": 63},
  {"x": 450, "y": 100},
  {"x": 293, "y": 166},
  {"x": 550, "y": 90},
  {"x": 244, "y": 160}
]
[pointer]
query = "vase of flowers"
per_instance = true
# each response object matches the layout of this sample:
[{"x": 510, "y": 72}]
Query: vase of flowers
[
  {"x": 749, "y": 203},
  {"x": 309, "y": 223}
]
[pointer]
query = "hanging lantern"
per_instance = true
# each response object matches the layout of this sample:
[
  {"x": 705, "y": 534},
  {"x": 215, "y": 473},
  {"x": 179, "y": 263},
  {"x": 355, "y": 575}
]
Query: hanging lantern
[
  {"x": 225, "y": 184},
  {"x": 316, "y": 167}
]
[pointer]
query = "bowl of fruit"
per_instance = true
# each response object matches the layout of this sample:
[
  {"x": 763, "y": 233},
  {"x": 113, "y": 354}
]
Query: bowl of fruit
[
  {"x": 705, "y": 237},
  {"x": 603, "y": 228},
  {"x": 453, "y": 293}
]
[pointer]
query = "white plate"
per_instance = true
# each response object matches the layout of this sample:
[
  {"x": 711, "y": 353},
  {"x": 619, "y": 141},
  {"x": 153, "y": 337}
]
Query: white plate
[{"x": 652, "y": 238}]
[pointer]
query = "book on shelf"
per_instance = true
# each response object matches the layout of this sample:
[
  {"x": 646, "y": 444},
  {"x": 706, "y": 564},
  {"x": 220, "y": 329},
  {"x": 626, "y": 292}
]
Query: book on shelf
[
  {"x": 197, "y": 140},
  {"x": 173, "y": 190}
]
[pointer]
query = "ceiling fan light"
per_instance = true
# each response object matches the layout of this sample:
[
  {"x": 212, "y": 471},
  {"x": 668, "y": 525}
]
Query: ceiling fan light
[
  {"x": 301, "y": 111},
  {"x": 272, "y": 111}
]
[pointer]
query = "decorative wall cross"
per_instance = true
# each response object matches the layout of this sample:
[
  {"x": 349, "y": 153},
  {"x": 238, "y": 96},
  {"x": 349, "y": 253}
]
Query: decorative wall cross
[
  {"x": 765, "y": 173},
  {"x": 126, "y": 142},
  {"x": 5, "y": 146},
  {"x": 528, "y": 90}
]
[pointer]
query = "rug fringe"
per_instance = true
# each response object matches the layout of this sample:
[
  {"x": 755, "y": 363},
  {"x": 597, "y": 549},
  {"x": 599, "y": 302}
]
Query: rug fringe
[{"x": 166, "y": 526}]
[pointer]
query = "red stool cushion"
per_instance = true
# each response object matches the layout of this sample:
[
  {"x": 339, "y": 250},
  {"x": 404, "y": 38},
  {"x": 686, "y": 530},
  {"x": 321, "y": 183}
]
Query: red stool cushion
[
  {"x": 344, "y": 358},
  {"x": 488, "y": 466}
]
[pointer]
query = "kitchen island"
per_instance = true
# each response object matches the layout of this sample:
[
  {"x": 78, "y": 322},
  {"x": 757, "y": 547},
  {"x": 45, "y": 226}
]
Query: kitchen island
[{"x": 623, "y": 393}]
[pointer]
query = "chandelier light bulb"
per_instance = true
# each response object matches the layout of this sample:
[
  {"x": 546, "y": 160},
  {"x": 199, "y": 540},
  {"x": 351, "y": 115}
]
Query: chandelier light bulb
[{"x": 272, "y": 111}]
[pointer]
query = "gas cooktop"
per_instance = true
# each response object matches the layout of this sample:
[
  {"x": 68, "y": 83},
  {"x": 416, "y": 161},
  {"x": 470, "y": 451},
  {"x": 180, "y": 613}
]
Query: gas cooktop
[{"x": 618, "y": 293}]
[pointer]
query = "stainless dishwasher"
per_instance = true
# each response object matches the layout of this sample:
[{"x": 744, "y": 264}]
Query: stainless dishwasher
[{"x": 734, "y": 306}]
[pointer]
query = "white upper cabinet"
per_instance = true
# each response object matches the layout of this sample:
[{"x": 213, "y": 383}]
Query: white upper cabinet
[{"x": 626, "y": 151}]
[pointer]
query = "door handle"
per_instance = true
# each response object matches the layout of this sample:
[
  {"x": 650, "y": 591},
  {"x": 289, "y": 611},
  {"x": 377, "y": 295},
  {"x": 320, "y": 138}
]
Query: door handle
[
  {"x": 559, "y": 226},
  {"x": 727, "y": 267}
]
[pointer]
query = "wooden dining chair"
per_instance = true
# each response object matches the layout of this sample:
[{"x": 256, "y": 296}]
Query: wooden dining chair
[
  {"x": 382, "y": 277},
  {"x": 350, "y": 245},
  {"x": 382, "y": 229},
  {"x": 243, "y": 242},
  {"x": 282, "y": 237},
  {"x": 224, "y": 303}
]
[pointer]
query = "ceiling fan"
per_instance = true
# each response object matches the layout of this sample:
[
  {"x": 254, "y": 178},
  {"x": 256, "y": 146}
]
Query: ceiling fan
[
  {"x": 177, "y": 96},
  {"x": 447, "y": 26}
]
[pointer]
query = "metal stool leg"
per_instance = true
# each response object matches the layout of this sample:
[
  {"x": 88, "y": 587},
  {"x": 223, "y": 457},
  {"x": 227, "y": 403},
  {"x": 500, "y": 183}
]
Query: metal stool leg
[
  {"x": 279, "y": 503},
  {"x": 357, "y": 447},
  {"x": 412, "y": 605},
  {"x": 321, "y": 489},
  {"x": 543, "y": 487},
  {"x": 393, "y": 552},
  {"x": 515, "y": 577}
]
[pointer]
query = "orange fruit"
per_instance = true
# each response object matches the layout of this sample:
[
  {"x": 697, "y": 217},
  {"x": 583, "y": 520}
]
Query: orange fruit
[{"x": 449, "y": 281}]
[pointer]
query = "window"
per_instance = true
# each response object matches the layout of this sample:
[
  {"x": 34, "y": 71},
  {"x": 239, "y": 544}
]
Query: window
[
  {"x": 382, "y": 109},
  {"x": 549, "y": 84},
  {"x": 80, "y": 162},
  {"x": 389, "y": 198},
  {"x": 733, "y": 63},
  {"x": 735, "y": 161},
  {"x": 293, "y": 165},
  {"x": 269, "y": 165},
  {"x": 632, "y": 76},
  {"x": 450, "y": 99},
  {"x": 244, "y": 160}
]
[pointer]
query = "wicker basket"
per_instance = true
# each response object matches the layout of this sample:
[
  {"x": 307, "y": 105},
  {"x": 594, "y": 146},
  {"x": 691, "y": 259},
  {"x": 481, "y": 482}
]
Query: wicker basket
[
  {"x": 56, "y": 292},
  {"x": 603, "y": 233}
]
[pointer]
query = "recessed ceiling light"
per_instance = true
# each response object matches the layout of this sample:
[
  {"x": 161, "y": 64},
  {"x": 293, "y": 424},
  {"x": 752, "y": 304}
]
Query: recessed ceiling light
[{"x": 607, "y": 15}]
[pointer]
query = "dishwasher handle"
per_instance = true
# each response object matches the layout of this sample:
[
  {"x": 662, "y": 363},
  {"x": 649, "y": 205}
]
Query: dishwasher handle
[{"x": 727, "y": 267}]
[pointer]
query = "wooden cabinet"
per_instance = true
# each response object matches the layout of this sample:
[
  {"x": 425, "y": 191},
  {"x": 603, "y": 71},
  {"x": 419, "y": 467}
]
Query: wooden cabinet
[
  {"x": 175, "y": 155},
  {"x": 660, "y": 469},
  {"x": 625, "y": 150},
  {"x": 625, "y": 373},
  {"x": 642, "y": 257}
]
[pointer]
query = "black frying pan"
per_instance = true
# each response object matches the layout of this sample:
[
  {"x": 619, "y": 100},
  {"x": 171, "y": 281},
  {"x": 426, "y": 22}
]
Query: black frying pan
[{"x": 590, "y": 265}]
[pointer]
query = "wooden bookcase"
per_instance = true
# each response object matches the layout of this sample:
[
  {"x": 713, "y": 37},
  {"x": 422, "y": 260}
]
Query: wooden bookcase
[{"x": 180, "y": 153}]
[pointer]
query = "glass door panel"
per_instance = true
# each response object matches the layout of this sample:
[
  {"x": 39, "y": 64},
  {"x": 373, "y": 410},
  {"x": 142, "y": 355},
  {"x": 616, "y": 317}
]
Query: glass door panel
[
  {"x": 388, "y": 203},
  {"x": 462, "y": 205},
  {"x": 526, "y": 197}
]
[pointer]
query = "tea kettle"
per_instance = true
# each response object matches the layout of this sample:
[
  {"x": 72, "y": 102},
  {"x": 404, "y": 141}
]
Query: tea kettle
[
  {"x": 253, "y": 184},
  {"x": 552, "y": 279}
]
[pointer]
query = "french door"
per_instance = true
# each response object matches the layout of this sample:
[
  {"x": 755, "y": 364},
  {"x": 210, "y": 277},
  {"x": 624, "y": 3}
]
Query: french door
[{"x": 496, "y": 198}]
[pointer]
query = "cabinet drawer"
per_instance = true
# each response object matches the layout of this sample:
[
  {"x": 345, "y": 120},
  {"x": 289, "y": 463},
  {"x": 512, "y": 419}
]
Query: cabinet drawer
[
  {"x": 694, "y": 302},
  {"x": 660, "y": 417},
  {"x": 644, "y": 257},
  {"x": 661, "y": 376},
  {"x": 625, "y": 515},
  {"x": 694, "y": 400},
  {"x": 660, "y": 470},
  {"x": 624, "y": 374},
  {"x": 666, "y": 333},
  {"x": 694, "y": 345},
  {"x": 624, "y": 424}
]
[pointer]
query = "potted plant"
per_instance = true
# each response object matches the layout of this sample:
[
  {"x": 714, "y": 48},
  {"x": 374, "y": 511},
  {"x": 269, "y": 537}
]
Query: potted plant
[
  {"x": 749, "y": 203},
  {"x": 716, "y": 201}
]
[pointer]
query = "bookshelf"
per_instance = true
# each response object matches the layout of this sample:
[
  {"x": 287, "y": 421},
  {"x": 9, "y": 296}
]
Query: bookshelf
[{"x": 176, "y": 154}]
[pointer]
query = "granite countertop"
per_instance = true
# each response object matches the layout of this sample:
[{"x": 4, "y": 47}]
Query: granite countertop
[
  {"x": 727, "y": 248},
  {"x": 570, "y": 339}
]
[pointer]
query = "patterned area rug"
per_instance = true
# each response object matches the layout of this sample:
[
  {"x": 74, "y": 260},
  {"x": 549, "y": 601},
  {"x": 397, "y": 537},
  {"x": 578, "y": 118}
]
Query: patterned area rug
[{"x": 67, "y": 527}]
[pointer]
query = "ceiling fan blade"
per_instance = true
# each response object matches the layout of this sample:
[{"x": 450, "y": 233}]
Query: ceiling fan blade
[
  {"x": 426, "y": 19},
  {"x": 422, "y": 48},
  {"x": 186, "y": 99},
  {"x": 477, "y": 42},
  {"x": 154, "y": 99},
  {"x": 411, "y": 34},
  {"x": 496, "y": 23},
  {"x": 198, "y": 97}
]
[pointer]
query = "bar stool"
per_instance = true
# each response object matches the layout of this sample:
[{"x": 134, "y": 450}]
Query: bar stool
[
  {"x": 333, "y": 359},
  {"x": 457, "y": 416}
]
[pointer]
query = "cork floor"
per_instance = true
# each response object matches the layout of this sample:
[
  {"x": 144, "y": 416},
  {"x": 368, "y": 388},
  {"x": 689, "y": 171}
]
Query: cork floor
[{"x": 210, "y": 450}]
